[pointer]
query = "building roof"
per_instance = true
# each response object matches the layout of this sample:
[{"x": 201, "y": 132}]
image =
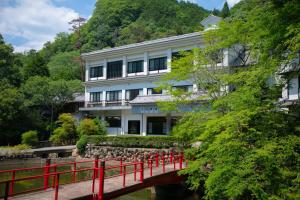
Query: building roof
[
  {"x": 149, "y": 99},
  {"x": 211, "y": 21}
]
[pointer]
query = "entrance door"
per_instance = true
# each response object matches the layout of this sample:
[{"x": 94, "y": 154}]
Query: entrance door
[
  {"x": 156, "y": 126},
  {"x": 134, "y": 126}
]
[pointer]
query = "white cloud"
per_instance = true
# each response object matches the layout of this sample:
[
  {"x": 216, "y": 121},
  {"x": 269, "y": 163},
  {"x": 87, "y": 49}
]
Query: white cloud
[
  {"x": 232, "y": 2},
  {"x": 35, "y": 21}
]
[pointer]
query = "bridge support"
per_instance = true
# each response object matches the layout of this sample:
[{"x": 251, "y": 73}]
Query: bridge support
[
  {"x": 46, "y": 173},
  {"x": 101, "y": 180}
]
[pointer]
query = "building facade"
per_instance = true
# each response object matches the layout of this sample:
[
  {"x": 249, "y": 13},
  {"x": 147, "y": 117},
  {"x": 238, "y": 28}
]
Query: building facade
[{"x": 121, "y": 82}]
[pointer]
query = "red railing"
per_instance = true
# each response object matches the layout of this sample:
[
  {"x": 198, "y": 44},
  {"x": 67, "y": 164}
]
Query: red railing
[{"x": 100, "y": 172}]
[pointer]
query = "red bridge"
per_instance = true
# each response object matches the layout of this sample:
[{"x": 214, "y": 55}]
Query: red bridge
[{"x": 93, "y": 179}]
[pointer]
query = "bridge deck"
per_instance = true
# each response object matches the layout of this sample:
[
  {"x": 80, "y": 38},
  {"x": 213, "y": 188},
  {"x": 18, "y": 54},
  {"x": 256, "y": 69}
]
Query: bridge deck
[{"x": 81, "y": 189}]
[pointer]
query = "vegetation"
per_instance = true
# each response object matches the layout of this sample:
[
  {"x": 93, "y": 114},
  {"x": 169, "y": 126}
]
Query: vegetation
[
  {"x": 92, "y": 127},
  {"x": 250, "y": 147},
  {"x": 30, "y": 138}
]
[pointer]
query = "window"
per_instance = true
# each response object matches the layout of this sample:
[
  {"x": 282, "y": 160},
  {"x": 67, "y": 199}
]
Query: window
[
  {"x": 135, "y": 66},
  {"x": 180, "y": 54},
  {"x": 113, "y": 121},
  {"x": 96, "y": 72},
  {"x": 185, "y": 88},
  {"x": 132, "y": 94},
  {"x": 134, "y": 126},
  {"x": 96, "y": 96},
  {"x": 114, "y": 95},
  {"x": 156, "y": 125},
  {"x": 158, "y": 63},
  {"x": 154, "y": 91},
  {"x": 114, "y": 69}
]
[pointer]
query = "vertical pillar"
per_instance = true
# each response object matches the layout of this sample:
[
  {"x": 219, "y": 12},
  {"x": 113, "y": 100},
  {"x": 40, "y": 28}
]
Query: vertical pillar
[
  {"x": 145, "y": 90},
  {"x": 87, "y": 72},
  {"x": 56, "y": 187},
  {"x": 144, "y": 125},
  {"x": 225, "y": 57},
  {"x": 142, "y": 170},
  {"x": 101, "y": 180},
  {"x": 124, "y": 67},
  {"x": 105, "y": 69},
  {"x": 46, "y": 173},
  {"x": 146, "y": 63},
  {"x": 103, "y": 98},
  {"x": 169, "y": 59},
  {"x": 123, "y": 115},
  {"x": 123, "y": 97},
  {"x": 11, "y": 192}
]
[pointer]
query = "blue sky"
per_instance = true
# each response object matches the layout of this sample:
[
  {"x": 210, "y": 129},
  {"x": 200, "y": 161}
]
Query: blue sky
[{"x": 28, "y": 24}]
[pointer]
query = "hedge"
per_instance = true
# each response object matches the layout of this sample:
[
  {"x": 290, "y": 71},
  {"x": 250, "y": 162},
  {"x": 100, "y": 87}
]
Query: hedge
[{"x": 137, "y": 141}]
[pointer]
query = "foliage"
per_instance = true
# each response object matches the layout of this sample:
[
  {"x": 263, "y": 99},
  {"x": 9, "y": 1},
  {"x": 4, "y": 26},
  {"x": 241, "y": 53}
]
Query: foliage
[
  {"x": 137, "y": 141},
  {"x": 66, "y": 133},
  {"x": 30, "y": 138},
  {"x": 92, "y": 127},
  {"x": 64, "y": 66},
  {"x": 34, "y": 65},
  {"x": 250, "y": 147},
  {"x": 17, "y": 148},
  {"x": 81, "y": 143},
  {"x": 225, "y": 12}
]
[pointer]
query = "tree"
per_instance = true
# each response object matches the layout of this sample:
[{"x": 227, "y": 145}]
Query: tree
[
  {"x": 66, "y": 133},
  {"x": 30, "y": 138},
  {"x": 92, "y": 127},
  {"x": 225, "y": 12},
  {"x": 63, "y": 66},
  {"x": 34, "y": 65},
  {"x": 249, "y": 146}
]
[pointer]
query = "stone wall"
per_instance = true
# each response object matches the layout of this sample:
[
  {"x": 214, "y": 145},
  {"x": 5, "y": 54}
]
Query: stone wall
[{"x": 127, "y": 154}]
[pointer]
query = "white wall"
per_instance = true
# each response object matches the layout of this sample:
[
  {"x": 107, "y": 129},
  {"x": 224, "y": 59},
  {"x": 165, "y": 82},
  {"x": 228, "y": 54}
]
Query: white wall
[{"x": 293, "y": 89}]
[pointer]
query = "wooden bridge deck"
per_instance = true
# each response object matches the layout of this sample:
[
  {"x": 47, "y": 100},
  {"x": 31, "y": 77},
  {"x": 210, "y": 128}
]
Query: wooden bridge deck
[{"x": 113, "y": 187}]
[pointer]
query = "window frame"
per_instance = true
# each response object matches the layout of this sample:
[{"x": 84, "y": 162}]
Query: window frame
[
  {"x": 99, "y": 73},
  {"x": 98, "y": 97},
  {"x": 114, "y": 69},
  {"x": 158, "y": 63},
  {"x": 133, "y": 65}
]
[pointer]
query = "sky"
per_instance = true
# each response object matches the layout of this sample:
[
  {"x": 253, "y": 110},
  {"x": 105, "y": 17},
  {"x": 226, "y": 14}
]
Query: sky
[{"x": 28, "y": 24}]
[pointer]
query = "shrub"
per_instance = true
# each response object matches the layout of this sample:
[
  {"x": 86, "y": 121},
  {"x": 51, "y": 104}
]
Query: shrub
[
  {"x": 66, "y": 133},
  {"x": 30, "y": 138},
  {"x": 81, "y": 144},
  {"x": 91, "y": 127},
  {"x": 137, "y": 141}
]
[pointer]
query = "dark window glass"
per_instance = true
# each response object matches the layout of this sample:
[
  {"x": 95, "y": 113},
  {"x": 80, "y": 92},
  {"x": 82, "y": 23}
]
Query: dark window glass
[
  {"x": 154, "y": 91},
  {"x": 132, "y": 94},
  {"x": 135, "y": 66},
  {"x": 114, "y": 95},
  {"x": 134, "y": 126},
  {"x": 156, "y": 125},
  {"x": 96, "y": 71},
  {"x": 113, "y": 121},
  {"x": 95, "y": 96},
  {"x": 114, "y": 69},
  {"x": 158, "y": 63}
]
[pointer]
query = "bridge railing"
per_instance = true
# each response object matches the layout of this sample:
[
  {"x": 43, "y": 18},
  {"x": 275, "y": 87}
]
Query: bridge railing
[{"x": 51, "y": 175}]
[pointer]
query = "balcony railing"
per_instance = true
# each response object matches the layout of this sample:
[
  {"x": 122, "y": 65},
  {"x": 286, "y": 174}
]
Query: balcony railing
[{"x": 91, "y": 104}]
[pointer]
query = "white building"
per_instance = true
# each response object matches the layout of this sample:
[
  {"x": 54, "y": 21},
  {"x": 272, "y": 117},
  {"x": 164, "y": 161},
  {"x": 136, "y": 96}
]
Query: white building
[{"x": 120, "y": 84}]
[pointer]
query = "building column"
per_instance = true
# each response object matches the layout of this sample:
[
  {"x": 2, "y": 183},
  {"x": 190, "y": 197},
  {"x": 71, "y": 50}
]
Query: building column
[
  {"x": 146, "y": 63},
  {"x": 195, "y": 88},
  {"x": 169, "y": 59},
  {"x": 145, "y": 91},
  {"x": 144, "y": 125},
  {"x": 103, "y": 98},
  {"x": 105, "y": 69},
  {"x": 124, "y": 67},
  {"x": 123, "y": 97},
  {"x": 168, "y": 125},
  {"x": 87, "y": 72},
  {"x": 225, "y": 57},
  {"x": 122, "y": 122}
]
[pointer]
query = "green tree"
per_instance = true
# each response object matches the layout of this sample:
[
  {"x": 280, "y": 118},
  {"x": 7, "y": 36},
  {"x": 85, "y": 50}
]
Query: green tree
[
  {"x": 34, "y": 65},
  {"x": 30, "y": 138},
  {"x": 91, "y": 127},
  {"x": 64, "y": 66},
  {"x": 249, "y": 145},
  {"x": 225, "y": 12},
  {"x": 66, "y": 133}
]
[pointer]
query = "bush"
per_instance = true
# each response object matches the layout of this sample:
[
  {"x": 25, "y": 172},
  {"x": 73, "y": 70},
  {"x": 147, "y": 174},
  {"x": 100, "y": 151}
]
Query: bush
[
  {"x": 137, "y": 141},
  {"x": 66, "y": 133},
  {"x": 81, "y": 144},
  {"x": 30, "y": 138},
  {"x": 91, "y": 127}
]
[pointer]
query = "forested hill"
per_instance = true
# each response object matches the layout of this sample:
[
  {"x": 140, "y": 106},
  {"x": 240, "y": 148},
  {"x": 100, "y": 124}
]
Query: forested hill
[{"x": 120, "y": 22}]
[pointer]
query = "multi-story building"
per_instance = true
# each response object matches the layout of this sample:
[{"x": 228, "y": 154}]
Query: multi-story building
[{"x": 121, "y": 84}]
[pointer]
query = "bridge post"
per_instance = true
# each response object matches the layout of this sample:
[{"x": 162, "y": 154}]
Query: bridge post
[
  {"x": 156, "y": 159},
  {"x": 54, "y": 177},
  {"x": 96, "y": 165},
  {"x": 171, "y": 157},
  {"x": 142, "y": 170},
  {"x": 56, "y": 187},
  {"x": 101, "y": 180},
  {"x": 150, "y": 167},
  {"x": 135, "y": 168},
  {"x": 180, "y": 160},
  {"x": 11, "y": 192},
  {"x": 46, "y": 173},
  {"x": 163, "y": 162},
  {"x": 74, "y": 172},
  {"x": 121, "y": 166}
]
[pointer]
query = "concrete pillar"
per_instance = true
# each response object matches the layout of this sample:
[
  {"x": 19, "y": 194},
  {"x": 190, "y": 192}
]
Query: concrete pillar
[
  {"x": 169, "y": 59},
  {"x": 105, "y": 69},
  {"x": 103, "y": 98},
  {"x": 124, "y": 67},
  {"x": 87, "y": 72},
  {"x": 123, "y": 121},
  {"x": 195, "y": 88},
  {"x": 123, "y": 97},
  {"x": 144, "y": 125},
  {"x": 145, "y": 91},
  {"x": 146, "y": 63},
  {"x": 226, "y": 57}
]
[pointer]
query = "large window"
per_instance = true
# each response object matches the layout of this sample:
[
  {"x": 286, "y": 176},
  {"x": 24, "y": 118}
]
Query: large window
[
  {"x": 156, "y": 125},
  {"x": 154, "y": 91},
  {"x": 134, "y": 126},
  {"x": 114, "y": 69},
  {"x": 114, "y": 95},
  {"x": 132, "y": 94},
  {"x": 135, "y": 66},
  {"x": 158, "y": 64},
  {"x": 96, "y": 96},
  {"x": 113, "y": 121},
  {"x": 96, "y": 72}
]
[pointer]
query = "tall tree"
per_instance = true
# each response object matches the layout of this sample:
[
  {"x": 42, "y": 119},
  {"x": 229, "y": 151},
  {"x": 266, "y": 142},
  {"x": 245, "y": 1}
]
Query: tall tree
[
  {"x": 34, "y": 65},
  {"x": 225, "y": 12}
]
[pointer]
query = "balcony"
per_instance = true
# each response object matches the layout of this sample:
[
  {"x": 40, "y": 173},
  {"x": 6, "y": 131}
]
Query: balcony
[{"x": 105, "y": 105}]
